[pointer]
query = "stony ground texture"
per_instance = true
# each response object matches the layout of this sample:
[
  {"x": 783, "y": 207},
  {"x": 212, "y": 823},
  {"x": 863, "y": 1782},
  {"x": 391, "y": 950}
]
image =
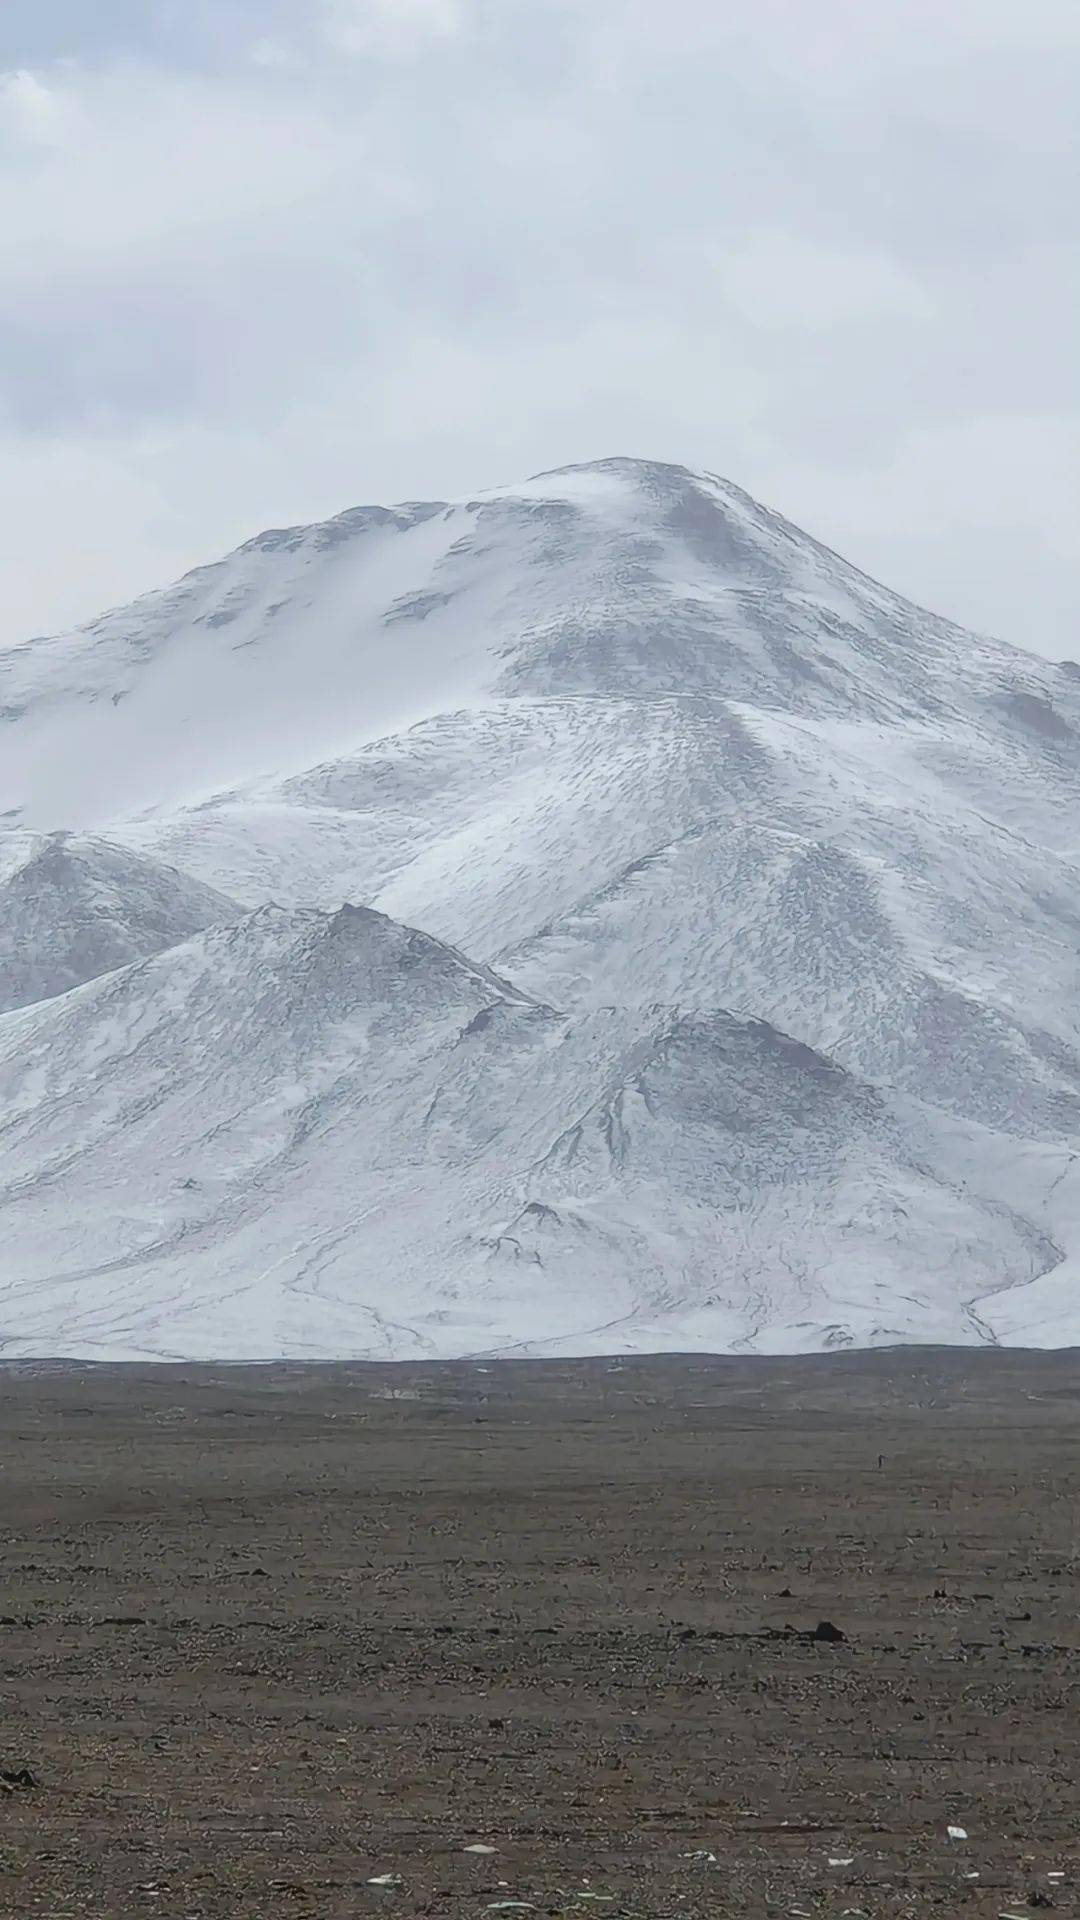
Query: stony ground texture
[{"x": 273, "y": 1637}]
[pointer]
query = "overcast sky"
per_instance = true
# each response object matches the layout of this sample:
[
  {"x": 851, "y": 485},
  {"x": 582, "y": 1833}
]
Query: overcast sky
[{"x": 264, "y": 259}]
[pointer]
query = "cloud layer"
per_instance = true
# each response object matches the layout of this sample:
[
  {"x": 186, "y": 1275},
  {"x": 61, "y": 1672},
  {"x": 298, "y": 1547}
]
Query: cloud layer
[{"x": 267, "y": 258}]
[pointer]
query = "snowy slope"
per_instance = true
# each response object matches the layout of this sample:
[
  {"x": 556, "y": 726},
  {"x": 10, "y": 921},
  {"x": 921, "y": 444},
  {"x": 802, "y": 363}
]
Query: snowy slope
[
  {"x": 72, "y": 908},
  {"x": 683, "y": 780},
  {"x": 627, "y": 579},
  {"x": 337, "y": 1134}
]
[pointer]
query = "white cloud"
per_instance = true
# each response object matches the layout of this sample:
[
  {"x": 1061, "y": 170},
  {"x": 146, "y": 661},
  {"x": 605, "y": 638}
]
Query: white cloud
[
  {"x": 395, "y": 26},
  {"x": 780, "y": 280},
  {"x": 838, "y": 43},
  {"x": 62, "y": 506},
  {"x": 975, "y": 518},
  {"x": 275, "y": 54},
  {"x": 29, "y": 110},
  {"x": 139, "y": 155}
]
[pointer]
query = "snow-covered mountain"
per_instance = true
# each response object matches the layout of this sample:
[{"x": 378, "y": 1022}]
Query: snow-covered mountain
[
  {"x": 309, "y": 1132},
  {"x": 768, "y": 1033},
  {"x": 73, "y": 907}
]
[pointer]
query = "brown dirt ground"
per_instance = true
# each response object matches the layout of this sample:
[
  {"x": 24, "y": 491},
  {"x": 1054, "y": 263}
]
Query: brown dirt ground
[{"x": 269, "y": 1634}]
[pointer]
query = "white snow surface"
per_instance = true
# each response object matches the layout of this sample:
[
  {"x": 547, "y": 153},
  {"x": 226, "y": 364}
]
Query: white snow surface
[{"x": 745, "y": 1012}]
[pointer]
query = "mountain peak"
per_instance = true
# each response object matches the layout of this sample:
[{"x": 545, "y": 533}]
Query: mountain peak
[
  {"x": 626, "y": 466},
  {"x": 73, "y": 907}
]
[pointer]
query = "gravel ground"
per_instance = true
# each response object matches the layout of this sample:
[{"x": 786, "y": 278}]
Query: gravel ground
[{"x": 673, "y": 1638}]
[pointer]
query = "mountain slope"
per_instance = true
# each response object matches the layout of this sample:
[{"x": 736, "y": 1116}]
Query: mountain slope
[
  {"x": 625, "y": 579},
  {"x": 324, "y": 1147},
  {"x": 72, "y": 908},
  {"x": 678, "y": 779}
]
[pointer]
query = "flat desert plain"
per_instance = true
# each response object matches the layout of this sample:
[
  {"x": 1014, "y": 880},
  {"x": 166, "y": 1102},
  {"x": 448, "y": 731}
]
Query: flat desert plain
[{"x": 670, "y": 1637}]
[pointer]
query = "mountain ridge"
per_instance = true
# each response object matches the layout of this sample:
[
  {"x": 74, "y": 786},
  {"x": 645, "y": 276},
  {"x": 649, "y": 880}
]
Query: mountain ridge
[{"x": 74, "y": 907}]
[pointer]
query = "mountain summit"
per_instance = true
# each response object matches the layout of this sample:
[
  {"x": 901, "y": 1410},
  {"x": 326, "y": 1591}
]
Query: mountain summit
[{"x": 744, "y": 1013}]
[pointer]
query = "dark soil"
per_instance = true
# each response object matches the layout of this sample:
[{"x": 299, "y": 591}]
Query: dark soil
[{"x": 661, "y": 1634}]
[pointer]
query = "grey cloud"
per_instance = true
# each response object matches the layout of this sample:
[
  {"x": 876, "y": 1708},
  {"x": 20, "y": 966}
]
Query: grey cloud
[
  {"x": 792, "y": 243},
  {"x": 194, "y": 34}
]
